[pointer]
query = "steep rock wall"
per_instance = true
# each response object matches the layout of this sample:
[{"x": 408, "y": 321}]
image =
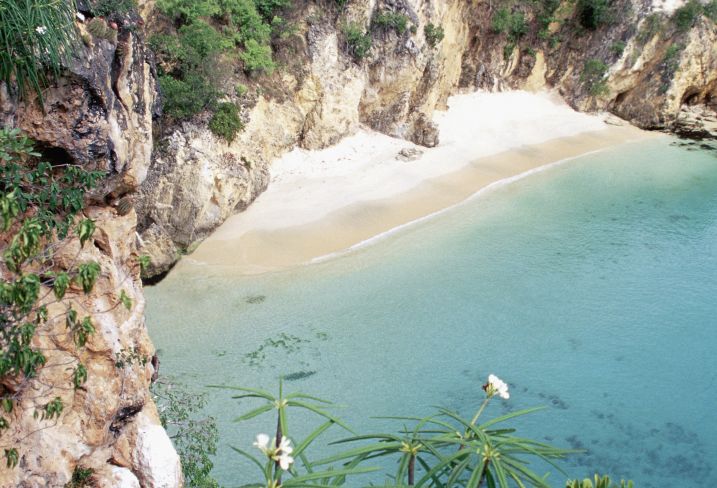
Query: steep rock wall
[
  {"x": 98, "y": 115},
  {"x": 321, "y": 95}
]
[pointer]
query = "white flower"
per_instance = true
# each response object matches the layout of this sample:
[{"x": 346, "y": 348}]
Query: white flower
[
  {"x": 262, "y": 443},
  {"x": 41, "y": 30},
  {"x": 280, "y": 454},
  {"x": 285, "y": 445},
  {"x": 284, "y": 461},
  {"x": 496, "y": 386},
  {"x": 80, "y": 16}
]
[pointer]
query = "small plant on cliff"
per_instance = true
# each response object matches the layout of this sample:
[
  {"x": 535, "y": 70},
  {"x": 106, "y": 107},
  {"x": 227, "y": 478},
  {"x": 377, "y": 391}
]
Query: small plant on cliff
[
  {"x": 37, "y": 39},
  {"x": 385, "y": 20},
  {"x": 109, "y": 8},
  {"x": 358, "y": 41},
  {"x": 686, "y": 16},
  {"x": 593, "y": 77},
  {"x": 434, "y": 34},
  {"x": 226, "y": 121},
  {"x": 81, "y": 478},
  {"x": 44, "y": 275}
]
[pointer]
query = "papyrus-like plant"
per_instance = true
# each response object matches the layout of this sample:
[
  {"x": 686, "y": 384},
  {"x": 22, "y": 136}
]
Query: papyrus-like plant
[{"x": 439, "y": 451}]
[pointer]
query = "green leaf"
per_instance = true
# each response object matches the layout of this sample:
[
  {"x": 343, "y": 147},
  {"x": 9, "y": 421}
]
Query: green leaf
[
  {"x": 87, "y": 274},
  {"x": 85, "y": 229},
  {"x": 125, "y": 300},
  {"x": 62, "y": 282},
  {"x": 253, "y": 413}
]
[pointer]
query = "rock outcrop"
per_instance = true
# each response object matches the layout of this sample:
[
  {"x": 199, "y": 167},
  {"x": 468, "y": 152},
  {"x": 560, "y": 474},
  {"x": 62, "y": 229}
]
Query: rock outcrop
[
  {"x": 98, "y": 114},
  {"x": 651, "y": 71}
]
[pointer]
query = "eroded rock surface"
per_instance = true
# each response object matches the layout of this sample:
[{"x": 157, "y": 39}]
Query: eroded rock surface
[{"x": 97, "y": 115}]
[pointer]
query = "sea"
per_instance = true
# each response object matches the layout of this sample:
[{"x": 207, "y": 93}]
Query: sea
[{"x": 589, "y": 287}]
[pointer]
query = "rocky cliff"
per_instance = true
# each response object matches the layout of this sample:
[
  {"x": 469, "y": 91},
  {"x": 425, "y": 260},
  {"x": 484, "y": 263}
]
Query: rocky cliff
[
  {"x": 98, "y": 114},
  {"x": 636, "y": 63}
]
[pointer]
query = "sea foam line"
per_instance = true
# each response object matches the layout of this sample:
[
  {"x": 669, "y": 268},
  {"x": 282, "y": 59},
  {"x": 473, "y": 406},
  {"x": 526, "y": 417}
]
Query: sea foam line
[{"x": 479, "y": 193}]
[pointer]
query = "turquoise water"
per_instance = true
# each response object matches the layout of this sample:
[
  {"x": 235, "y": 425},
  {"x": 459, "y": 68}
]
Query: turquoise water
[{"x": 588, "y": 287}]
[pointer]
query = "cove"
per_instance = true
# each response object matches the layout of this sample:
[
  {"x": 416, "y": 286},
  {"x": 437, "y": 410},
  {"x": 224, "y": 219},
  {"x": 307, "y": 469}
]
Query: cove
[{"x": 589, "y": 287}]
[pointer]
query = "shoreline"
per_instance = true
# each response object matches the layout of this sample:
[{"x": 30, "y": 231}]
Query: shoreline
[{"x": 316, "y": 208}]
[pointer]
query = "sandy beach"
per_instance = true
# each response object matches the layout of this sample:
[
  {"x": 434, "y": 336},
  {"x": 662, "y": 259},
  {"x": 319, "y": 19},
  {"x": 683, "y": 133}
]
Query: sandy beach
[{"x": 322, "y": 202}]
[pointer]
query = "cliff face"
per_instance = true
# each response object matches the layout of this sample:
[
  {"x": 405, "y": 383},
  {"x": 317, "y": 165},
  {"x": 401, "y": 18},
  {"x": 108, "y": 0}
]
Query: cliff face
[
  {"x": 98, "y": 115},
  {"x": 648, "y": 72}
]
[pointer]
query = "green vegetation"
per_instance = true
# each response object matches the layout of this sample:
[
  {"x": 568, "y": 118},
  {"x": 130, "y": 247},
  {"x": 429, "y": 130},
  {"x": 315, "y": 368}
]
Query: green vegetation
[
  {"x": 434, "y": 34},
  {"x": 599, "y": 482},
  {"x": 241, "y": 90},
  {"x": 593, "y": 14},
  {"x": 81, "y": 478},
  {"x": 671, "y": 61},
  {"x": 386, "y": 20},
  {"x": 40, "y": 207},
  {"x": 257, "y": 57},
  {"x": 593, "y": 77},
  {"x": 710, "y": 10},
  {"x": 686, "y": 16},
  {"x": 512, "y": 23},
  {"x": 438, "y": 451},
  {"x": 546, "y": 16},
  {"x": 195, "y": 437},
  {"x": 650, "y": 27},
  {"x": 207, "y": 40},
  {"x": 226, "y": 122},
  {"x": 37, "y": 38},
  {"x": 617, "y": 48},
  {"x": 358, "y": 41},
  {"x": 111, "y": 8}
]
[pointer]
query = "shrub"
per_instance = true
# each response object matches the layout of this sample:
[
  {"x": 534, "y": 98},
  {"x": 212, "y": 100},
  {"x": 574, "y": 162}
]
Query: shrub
[
  {"x": 671, "y": 60},
  {"x": 434, "y": 34},
  {"x": 268, "y": 8},
  {"x": 593, "y": 77},
  {"x": 358, "y": 42},
  {"x": 686, "y": 16},
  {"x": 81, "y": 478},
  {"x": 108, "y": 8},
  {"x": 226, "y": 122},
  {"x": 593, "y": 14},
  {"x": 501, "y": 20},
  {"x": 710, "y": 10},
  {"x": 618, "y": 47},
  {"x": 188, "y": 10},
  {"x": 257, "y": 57},
  {"x": 195, "y": 437},
  {"x": 186, "y": 97},
  {"x": 241, "y": 90},
  {"x": 37, "y": 38},
  {"x": 246, "y": 21},
  {"x": 512, "y": 23},
  {"x": 386, "y": 20}
]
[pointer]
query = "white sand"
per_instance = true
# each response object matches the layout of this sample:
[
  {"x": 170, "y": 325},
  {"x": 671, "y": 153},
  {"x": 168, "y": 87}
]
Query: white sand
[{"x": 308, "y": 185}]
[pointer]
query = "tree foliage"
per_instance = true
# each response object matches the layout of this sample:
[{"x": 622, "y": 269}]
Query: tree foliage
[{"x": 41, "y": 207}]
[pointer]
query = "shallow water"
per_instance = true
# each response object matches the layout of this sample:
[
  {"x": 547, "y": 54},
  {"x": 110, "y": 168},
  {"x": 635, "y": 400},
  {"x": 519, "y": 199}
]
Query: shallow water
[{"x": 589, "y": 287}]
